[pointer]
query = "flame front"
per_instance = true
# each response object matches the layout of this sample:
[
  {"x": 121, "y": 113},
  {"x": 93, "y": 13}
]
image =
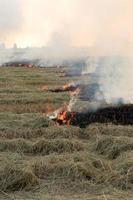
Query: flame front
[{"x": 65, "y": 118}]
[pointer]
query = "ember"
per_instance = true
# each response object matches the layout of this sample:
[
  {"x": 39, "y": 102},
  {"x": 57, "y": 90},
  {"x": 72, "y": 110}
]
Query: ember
[
  {"x": 70, "y": 87},
  {"x": 20, "y": 64}
]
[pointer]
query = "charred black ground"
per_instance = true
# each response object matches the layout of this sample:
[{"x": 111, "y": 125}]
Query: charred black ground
[{"x": 122, "y": 114}]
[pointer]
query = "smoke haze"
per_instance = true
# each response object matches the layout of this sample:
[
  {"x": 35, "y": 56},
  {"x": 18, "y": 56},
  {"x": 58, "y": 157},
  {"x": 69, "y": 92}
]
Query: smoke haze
[{"x": 104, "y": 25}]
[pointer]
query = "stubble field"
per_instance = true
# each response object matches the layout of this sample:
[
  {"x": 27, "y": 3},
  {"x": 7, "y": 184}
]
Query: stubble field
[{"x": 40, "y": 160}]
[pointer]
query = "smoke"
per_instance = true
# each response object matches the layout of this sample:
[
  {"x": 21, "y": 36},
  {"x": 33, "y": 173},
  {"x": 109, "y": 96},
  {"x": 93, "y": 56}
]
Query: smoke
[
  {"x": 104, "y": 27},
  {"x": 115, "y": 79},
  {"x": 90, "y": 66},
  {"x": 10, "y": 20}
]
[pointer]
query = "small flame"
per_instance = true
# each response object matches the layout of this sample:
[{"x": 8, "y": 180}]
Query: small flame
[
  {"x": 65, "y": 118},
  {"x": 69, "y": 86},
  {"x": 64, "y": 115}
]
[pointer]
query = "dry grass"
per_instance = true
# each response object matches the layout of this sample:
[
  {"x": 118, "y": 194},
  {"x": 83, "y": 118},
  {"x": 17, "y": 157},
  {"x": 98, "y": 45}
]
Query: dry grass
[
  {"x": 43, "y": 147},
  {"x": 112, "y": 147},
  {"x": 13, "y": 177},
  {"x": 50, "y": 132},
  {"x": 75, "y": 167},
  {"x": 39, "y": 160}
]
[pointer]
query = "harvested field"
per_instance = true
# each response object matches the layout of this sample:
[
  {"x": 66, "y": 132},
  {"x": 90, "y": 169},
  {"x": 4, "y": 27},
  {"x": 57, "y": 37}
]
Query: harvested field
[{"x": 40, "y": 160}]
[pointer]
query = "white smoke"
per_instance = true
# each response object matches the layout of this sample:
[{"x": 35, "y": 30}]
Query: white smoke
[
  {"x": 115, "y": 79},
  {"x": 11, "y": 19},
  {"x": 98, "y": 24},
  {"x": 90, "y": 66},
  {"x": 113, "y": 75},
  {"x": 105, "y": 26}
]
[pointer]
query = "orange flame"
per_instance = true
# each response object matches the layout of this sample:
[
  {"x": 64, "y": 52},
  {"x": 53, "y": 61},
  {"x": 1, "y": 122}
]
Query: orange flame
[
  {"x": 65, "y": 117},
  {"x": 68, "y": 86}
]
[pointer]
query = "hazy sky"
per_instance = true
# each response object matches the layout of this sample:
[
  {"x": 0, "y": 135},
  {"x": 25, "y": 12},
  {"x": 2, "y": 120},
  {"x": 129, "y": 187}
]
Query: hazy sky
[{"x": 101, "y": 23}]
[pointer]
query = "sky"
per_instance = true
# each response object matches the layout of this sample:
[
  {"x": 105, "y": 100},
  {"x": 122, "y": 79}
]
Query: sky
[{"x": 100, "y": 24}]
